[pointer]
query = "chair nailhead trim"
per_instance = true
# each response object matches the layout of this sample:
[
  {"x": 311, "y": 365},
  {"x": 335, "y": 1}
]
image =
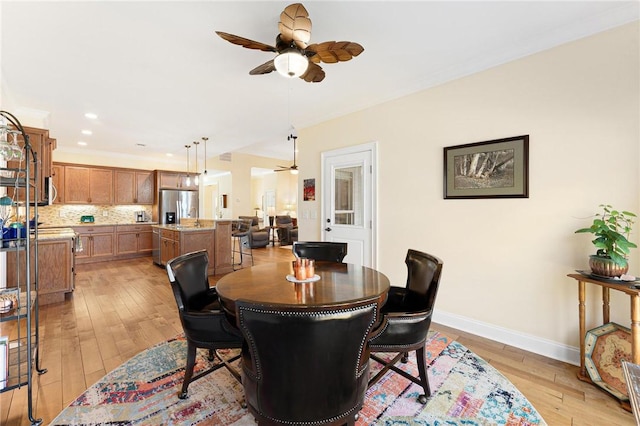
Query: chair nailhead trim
[{"x": 363, "y": 342}]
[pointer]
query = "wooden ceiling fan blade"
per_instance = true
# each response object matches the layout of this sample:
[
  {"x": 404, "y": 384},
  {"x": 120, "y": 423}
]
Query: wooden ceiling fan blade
[
  {"x": 295, "y": 25},
  {"x": 265, "y": 68},
  {"x": 331, "y": 52},
  {"x": 245, "y": 42},
  {"x": 314, "y": 73}
]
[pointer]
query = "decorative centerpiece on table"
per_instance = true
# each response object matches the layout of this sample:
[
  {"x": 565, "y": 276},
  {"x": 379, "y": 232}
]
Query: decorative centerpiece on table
[
  {"x": 611, "y": 228},
  {"x": 303, "y": 271}
]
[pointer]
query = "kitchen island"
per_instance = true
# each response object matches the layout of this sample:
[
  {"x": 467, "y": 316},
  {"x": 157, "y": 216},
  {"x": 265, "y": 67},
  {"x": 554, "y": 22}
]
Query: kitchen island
[
  {"x": 55, "y": 264},
  {"x": 212, "y": 235}
]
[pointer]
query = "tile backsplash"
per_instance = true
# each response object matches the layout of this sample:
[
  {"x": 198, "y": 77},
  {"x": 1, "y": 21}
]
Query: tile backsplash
[{"x": 68, "y": 214}]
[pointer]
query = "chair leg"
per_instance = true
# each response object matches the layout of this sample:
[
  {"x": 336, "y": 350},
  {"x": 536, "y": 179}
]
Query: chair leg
[
  {"x": 234, "y": 250},
  {"x": 390, "y": 365},
  {"x": 422, "y": 370},
  {"x": 245, "y": 242},
  {"x": 188, "y": 371}
]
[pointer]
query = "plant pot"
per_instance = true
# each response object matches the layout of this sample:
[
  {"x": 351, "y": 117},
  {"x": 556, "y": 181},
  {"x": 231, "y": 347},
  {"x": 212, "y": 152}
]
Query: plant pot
[{"x": 606, "y": 267}]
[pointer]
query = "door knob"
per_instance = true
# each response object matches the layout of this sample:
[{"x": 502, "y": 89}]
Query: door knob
[{"x": 327, "y": 229}]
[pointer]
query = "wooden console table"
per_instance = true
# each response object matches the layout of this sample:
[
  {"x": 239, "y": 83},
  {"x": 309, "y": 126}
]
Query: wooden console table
[{"x": 634, "y": 297}]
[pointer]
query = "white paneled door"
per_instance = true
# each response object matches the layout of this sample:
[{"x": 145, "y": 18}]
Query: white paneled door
[{"x": 348, "y": 197}]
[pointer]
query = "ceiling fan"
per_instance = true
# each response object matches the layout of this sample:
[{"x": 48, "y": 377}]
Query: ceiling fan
[
  {"x": 294, "y": 168},
  {"x": 295, "y": 56}
]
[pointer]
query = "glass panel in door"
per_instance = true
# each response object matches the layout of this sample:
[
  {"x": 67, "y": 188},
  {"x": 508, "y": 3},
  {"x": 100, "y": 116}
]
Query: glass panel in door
[{"x": 349, "y": 196}]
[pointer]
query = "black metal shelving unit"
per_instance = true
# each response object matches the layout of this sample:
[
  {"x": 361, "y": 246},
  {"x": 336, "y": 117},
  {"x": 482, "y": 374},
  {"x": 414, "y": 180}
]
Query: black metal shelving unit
[{"x": 23, "y": 354}]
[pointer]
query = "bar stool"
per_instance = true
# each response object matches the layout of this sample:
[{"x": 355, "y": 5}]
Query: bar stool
[{"x": 240, "y": 238}]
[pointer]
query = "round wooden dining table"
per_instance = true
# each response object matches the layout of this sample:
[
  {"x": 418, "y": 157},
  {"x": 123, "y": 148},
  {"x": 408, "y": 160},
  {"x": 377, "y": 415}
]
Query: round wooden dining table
[{"x": 340, "y": 284}]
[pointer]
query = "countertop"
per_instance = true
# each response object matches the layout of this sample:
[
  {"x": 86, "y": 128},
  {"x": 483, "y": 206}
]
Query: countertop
[
  {"x": 80, "y": 224},
  {"x": 55, "y": 234},
  {"x": 186, "y": 228},
  {"x": 190, "y": 225}
]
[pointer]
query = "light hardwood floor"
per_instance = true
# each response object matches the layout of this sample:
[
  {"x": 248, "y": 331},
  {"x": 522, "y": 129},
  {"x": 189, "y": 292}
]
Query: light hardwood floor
[{"x": 120, "y": 308}]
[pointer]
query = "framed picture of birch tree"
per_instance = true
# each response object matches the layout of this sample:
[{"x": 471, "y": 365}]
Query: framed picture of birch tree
[{"x": 492, "y": 169}]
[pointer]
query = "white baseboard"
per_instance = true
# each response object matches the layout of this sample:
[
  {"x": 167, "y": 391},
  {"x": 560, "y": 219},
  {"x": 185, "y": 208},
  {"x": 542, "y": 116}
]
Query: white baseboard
[{"x": 544, "y": 347}]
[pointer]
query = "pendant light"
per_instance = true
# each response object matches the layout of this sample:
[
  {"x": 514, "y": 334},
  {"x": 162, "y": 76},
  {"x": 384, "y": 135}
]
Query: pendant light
[
  {"x": 188, "y": 183},
  {"x": 196, "y": 180},
  {"x": 204, "y": 140}
]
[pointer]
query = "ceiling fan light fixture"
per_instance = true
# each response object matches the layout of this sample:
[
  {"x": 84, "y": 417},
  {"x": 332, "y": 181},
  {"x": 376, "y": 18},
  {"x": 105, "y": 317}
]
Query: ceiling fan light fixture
[
  {"x": 294, "y": 171},
  {"x": 291, "y": 63}
]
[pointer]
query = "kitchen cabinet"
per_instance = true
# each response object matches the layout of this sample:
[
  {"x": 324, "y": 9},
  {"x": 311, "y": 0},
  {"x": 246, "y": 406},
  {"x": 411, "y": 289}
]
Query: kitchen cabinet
[
  {"x": 97, "y": 243},
  {"x": 171, "y": 180},
  {"x": 88, "y": 185},
  {"x": 133, "y": 240},
  {"x": 42, "y": 146},
  {"x": 55, "y": 268},
  {"x": 57, "y": 174},
  {"x": 134, "y": 186},
  {"x": 169, "y": 245},
  {"x": 217, "y": 242},
  {"x": 197, "y": 240}
]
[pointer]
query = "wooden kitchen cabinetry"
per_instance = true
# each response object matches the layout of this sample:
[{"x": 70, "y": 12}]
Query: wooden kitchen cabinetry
[
  {"x": 88, "y": 185},
  {"x": 171, "y": 180},
  {"x": 169, "y": 245},
  {"x": 197, "y": 240},
  {"x": 57, "y": 174},
  {"x": 42, "y": 146},
  {"x": 216, "y": 241},
  {"x": 55, "y": 269},
  {"x": 97, "y": 243},
  {"x": 134, "y": 186},
  {"x": 133, "y": 240}
]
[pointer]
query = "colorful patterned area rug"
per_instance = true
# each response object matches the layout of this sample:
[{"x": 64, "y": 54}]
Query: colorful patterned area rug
[{"x": 466, "y": 390}]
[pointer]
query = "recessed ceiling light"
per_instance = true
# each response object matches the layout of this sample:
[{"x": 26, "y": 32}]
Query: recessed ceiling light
[
  {"x": 87, "y": 132},
  {"x": 81, "y": 143},
  {"x": 91, "y": 115},
  {"x": 169, "y": 154}
]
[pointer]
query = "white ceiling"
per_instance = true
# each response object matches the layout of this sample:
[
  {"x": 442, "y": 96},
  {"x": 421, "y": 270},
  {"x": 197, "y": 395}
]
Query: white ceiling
[{"x": 158, "y": 75}]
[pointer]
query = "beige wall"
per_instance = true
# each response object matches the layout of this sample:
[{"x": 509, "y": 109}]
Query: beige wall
[{"x": 505, "y": 260}]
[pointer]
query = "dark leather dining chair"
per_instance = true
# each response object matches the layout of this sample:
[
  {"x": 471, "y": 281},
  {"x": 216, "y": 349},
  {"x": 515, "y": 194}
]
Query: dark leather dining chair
[
  {"x": 406, "y": 318},
  {"x": 320, "y": 250},
  {"x": 305, "y": 366},
  {"x": 204, "y": 323}
]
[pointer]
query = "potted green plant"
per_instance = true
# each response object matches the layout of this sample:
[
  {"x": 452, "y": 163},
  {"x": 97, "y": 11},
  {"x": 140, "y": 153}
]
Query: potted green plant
[{"x": 611, "y": 229}]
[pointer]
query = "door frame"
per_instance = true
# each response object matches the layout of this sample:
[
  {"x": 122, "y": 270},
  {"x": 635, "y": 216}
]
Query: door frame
[{"x": 371, "y": 147}]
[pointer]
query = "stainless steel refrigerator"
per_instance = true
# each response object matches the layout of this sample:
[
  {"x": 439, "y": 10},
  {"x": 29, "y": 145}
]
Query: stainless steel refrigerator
[{"x": 174, "y": 205}]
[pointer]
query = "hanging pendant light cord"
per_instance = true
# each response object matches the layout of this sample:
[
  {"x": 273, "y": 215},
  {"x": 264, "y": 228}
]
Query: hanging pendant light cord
[
  {"x": 188, "y": 177},
  {"x": 205, "y": 139}
]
